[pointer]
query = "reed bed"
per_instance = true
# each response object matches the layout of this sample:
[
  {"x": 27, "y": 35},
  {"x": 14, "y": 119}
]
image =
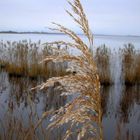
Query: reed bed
[
  {"x": 131, "y": 64},
  {"x": 102, "y": 57},
  {"x": 23, "y": 59}
]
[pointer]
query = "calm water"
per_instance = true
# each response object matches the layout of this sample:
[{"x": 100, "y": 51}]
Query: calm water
[
  {"x": 121, "y": 116},
  {"x": 110, "y": 41},
  {"x": 120, "y": 104}
]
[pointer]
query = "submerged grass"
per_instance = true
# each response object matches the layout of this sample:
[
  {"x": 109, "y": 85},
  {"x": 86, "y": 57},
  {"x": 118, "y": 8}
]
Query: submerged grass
[
  {"x": 14, "y": 127},
  {"x": 20, "y": 112}
]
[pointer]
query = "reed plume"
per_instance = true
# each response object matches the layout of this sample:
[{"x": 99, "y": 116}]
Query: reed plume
[{"x": 81, "y": 115}]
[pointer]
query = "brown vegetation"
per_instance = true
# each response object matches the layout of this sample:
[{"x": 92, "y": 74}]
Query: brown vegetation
[
  {"x": 102, "y": 57},
  {"x": 83, "y": 114},
  {"x": 23, "y": 59},
  {"x": 131, "y": 65}
]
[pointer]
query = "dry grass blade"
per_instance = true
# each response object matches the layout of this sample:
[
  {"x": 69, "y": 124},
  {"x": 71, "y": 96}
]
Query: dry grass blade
[
  {"x": 81, "y": 19},
  {"x": 83, "y": 113}
]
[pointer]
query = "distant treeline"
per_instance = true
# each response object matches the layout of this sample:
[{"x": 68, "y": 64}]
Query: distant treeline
[{"x": 27, "y": 32}]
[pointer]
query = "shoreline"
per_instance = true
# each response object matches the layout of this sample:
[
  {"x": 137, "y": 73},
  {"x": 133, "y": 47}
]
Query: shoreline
[{"x": 53, "y": 33}]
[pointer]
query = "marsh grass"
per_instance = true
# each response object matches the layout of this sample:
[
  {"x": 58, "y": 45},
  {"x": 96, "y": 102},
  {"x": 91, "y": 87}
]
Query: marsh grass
[
  {"x": 102, "y": 57},
  {"x": 23, "y": 58},
  {"x": 131, "y": 65}
]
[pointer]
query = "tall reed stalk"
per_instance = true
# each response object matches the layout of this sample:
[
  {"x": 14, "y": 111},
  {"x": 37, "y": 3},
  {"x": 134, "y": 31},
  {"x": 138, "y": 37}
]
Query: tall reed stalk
[{"x": 82, "y": 115}]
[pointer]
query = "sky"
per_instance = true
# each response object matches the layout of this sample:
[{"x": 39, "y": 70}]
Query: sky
[{"x": 117, "y": 17}]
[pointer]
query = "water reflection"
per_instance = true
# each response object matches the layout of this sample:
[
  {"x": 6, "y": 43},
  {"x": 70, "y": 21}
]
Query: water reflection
[
  {"x": 120, "y": 119},
  {"x": 53, "y": 99},
  {"x": 130, "y": 100},
  {"x": 18, "y": 93}
]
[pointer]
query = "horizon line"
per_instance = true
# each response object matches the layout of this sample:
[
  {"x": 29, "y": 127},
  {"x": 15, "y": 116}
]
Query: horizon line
[{"x": 45, "y": 32}]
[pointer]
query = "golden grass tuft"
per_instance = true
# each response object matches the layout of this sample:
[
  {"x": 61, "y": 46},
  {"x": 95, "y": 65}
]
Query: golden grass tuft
[{"x": 83, "y": 113}]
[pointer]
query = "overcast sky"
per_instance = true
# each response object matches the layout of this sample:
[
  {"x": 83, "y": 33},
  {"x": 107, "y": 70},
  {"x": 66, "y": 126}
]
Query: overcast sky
[{"x": 105, "y": 16}]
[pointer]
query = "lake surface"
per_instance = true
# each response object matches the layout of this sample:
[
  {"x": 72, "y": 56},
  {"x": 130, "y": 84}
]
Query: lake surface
[
  {"x": 120, "y": 104},
  {"x": 110, "y": 41}
]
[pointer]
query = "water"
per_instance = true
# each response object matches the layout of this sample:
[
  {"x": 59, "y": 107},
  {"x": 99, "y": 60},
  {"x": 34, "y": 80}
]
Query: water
[
  {"x": 125, "y": 118},
  {"x": 110, "y": 41},
  {"x": 120, "y": 118},
  {"x": 117, "y": 76},
  {"x": 120, "y": 104}
]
